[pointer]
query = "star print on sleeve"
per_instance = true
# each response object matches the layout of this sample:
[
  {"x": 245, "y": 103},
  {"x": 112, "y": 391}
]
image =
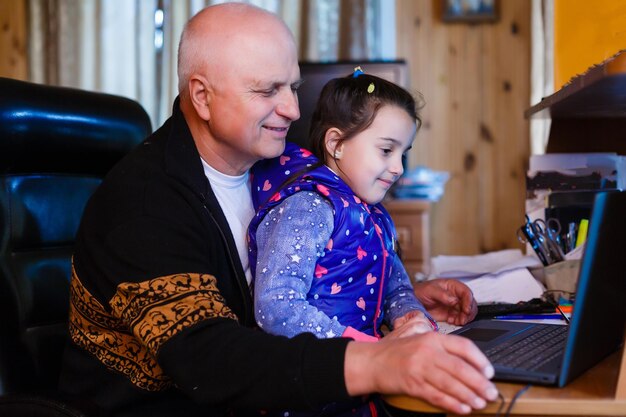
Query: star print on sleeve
[
  {"x": 288, "y": 250},
  {"x": 400, "y": 298}
]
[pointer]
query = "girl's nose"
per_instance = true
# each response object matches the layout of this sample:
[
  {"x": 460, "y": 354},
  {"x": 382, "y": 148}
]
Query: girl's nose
[{"x": 397, "y": 168}]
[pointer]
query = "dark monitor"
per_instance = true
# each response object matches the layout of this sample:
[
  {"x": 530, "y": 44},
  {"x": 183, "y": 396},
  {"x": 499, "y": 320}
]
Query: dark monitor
[{"x": 316, "y": 75}]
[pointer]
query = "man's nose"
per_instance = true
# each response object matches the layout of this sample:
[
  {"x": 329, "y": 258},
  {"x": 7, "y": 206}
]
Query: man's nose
[{"x": 288, "y": 106}]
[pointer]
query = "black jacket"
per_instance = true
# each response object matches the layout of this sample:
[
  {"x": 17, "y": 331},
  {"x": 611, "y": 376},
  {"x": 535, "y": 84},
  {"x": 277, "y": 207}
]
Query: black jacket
[{"x": 161, "y": 315}]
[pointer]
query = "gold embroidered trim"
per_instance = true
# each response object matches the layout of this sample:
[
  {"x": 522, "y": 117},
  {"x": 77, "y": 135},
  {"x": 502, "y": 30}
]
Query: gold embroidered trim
[{"x": 144, "y": 316}]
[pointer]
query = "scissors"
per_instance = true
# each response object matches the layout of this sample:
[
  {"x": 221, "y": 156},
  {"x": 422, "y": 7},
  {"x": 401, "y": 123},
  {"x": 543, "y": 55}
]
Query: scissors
[
  {"x": 544, "y": 238},
  {"x": 551, "y": 230}
]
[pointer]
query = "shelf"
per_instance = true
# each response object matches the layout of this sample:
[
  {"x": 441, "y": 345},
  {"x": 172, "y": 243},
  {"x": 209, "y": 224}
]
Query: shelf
[
  {"x": 589, "y": 113},
  {"x": 598, "y": 93}
]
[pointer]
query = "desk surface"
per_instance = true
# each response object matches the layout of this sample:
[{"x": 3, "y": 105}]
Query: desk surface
[{"x": 591, "y": 394}]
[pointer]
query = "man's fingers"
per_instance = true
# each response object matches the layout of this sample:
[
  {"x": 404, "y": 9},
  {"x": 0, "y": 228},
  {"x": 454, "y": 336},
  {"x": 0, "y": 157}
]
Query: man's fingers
[
  {"x": 449, "y": 381},
  {"x": 442, "y": 400},
  {"x": 472, "y": 384},
  {"x": 463, "y": 382},
  {"x": 464, "y": 348}
]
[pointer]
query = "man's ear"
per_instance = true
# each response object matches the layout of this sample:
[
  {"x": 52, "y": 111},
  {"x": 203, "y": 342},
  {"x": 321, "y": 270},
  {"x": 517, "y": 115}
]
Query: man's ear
[
  {"x": 332, "y": 143},
  {"x": 200, "y": 96}
]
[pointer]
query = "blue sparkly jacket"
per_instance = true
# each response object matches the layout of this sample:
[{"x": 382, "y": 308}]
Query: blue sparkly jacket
[{"x": 350, "y": 274}]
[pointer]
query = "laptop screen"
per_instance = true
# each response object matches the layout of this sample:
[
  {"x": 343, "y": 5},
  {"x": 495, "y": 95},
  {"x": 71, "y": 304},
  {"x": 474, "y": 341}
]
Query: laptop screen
[{"x": 599, "y": 314}]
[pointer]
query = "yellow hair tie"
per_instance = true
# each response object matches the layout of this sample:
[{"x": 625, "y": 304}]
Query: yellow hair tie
[{"x": 370, "y": 88}]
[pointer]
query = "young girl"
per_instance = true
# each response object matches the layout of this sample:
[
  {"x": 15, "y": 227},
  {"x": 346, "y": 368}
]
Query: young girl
[{"x": 322, "y": 248}]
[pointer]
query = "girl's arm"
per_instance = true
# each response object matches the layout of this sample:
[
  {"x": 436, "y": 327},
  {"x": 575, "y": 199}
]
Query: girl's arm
[
  {"x": 290, "y": 239},
  {"x": 400, "y": 298}
]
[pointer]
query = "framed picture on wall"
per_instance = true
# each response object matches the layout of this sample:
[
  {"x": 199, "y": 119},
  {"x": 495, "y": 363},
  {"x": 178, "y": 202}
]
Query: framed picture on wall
[{"x": 470, "y": 11}]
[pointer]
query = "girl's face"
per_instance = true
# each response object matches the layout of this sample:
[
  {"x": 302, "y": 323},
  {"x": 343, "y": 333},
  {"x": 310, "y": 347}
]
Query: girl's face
[{"x": 371, "y": 161}]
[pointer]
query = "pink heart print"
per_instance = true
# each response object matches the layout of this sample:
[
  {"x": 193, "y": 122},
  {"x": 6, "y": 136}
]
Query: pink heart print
[
  {"x": 284, "y": 159},
  {"x": 329, "y": 245},
  {"x": 320, "y": 270},
  {"x": 360, "y": 253},
  {"x": 361, "y": 303},
  {"x": 335, "y": 288},
  {"x": 322, "y": 189},
  {"x": 371, "y": 279},
  {"x": 267, "y": 185}
]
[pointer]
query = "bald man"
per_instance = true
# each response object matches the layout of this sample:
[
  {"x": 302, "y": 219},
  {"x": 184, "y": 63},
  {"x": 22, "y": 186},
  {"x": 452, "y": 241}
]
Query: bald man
[{"x": 161, "y": 318}]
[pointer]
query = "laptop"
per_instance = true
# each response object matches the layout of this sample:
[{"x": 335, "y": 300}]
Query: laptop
[{"x": 598, "y": 318}]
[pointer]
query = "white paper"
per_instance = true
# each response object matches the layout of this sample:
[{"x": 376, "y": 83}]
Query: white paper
[
  {"x": 446, "y": 328},
  {"x": 510, "y": 286},
  {"x": 475, "y": 266}
]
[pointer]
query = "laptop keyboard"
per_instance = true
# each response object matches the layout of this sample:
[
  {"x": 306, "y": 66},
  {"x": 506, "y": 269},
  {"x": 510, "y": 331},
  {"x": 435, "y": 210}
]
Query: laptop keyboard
[{"x": 541, "y": 345}]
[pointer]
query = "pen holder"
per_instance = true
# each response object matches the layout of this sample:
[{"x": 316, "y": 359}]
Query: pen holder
[{"x": 562, "y": 276}]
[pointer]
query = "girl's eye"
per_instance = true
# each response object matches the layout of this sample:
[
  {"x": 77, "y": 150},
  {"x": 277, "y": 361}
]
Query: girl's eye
[{"x": 386, "y": 151}]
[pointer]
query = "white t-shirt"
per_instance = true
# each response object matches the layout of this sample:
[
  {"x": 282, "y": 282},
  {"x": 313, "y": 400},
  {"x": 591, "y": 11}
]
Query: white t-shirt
[{"x": 233, "y": 194}]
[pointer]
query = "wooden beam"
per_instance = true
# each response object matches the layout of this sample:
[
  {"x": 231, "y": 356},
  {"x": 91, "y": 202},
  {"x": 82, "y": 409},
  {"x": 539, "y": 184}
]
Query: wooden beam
[{"x": 14, "y": 39}]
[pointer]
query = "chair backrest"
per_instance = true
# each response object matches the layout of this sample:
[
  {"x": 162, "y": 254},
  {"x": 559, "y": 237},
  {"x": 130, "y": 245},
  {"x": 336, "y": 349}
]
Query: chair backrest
[{"x": 56, "y": 144}]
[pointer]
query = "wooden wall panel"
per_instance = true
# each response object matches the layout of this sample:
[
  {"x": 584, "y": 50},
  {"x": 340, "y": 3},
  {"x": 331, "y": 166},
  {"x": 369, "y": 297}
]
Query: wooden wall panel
[
  {"x": 13, "y": 36},
  {"x": 476, "y": 83}
]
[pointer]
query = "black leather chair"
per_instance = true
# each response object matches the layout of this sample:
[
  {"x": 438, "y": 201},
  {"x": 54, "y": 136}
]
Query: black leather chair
[{"x": 56, "y": 144}]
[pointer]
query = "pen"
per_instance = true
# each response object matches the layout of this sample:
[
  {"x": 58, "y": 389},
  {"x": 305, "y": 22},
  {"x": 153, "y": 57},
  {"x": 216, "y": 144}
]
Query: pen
[
  {"x": 571, "y": 237},
  {"x": 529, "y": 317},
  {"x": 582, "y": 232},
  {"x": 562, "y": 314}
]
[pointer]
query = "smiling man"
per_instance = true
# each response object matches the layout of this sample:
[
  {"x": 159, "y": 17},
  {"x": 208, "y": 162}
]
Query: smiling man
[{"x": 161, "y": 319}]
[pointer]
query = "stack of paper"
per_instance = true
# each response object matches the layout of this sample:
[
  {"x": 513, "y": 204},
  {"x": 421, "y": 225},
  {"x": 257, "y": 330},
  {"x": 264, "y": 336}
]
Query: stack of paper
[
  {"x": 501, "y": 276},
  {"x": 576, "y": 171}
]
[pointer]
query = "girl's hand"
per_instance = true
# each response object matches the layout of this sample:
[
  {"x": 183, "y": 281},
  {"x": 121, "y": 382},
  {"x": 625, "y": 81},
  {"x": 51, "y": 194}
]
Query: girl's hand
[
  {"x": 412, "y": 323},
  {"x": 447, "y": 300}
]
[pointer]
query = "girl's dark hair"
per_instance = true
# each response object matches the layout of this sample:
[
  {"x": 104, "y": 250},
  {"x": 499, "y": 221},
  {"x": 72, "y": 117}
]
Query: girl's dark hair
[{"x": 350, "y": 104}]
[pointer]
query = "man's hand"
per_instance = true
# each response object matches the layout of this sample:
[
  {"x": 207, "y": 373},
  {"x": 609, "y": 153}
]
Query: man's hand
[
  {"x": 448, "y": 371},
  {"x": 447, "y": 300}
]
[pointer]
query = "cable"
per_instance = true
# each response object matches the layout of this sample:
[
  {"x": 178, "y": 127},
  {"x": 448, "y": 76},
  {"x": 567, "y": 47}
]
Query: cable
[
  {"x": 512, "y": 403},
  {"x": 501, "y": 406}
]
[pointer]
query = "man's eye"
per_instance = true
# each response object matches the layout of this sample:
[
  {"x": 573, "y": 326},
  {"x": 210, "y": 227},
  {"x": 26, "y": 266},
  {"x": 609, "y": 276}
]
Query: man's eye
[
  {"x": 295, "y": 86},
  {"x": 268, "y": 93}
]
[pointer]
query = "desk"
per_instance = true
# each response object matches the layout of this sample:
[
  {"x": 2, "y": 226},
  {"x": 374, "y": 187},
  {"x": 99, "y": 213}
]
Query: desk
[{"x": 598, "y": 392}]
